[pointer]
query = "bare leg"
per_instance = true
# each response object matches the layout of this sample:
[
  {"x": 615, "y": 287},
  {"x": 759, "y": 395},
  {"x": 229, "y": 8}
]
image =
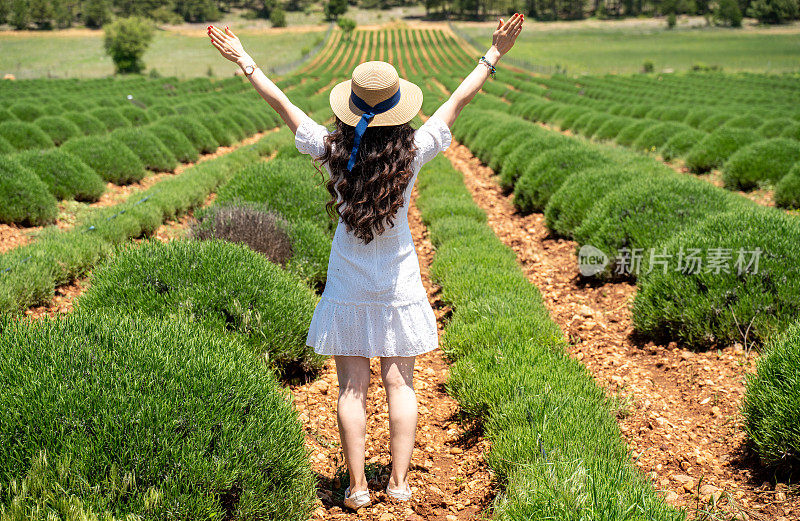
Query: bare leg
[
  {"x": 398, "y": 379},
  {"x": 353, "y": 374}
]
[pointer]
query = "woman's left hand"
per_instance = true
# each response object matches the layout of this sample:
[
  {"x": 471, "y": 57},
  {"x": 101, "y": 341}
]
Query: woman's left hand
[{"x": 227, "y": 44}]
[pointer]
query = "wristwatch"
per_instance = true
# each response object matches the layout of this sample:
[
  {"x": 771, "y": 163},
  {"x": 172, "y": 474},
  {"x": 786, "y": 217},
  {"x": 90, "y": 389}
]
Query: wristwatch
[{"x": 250, "y": 69}]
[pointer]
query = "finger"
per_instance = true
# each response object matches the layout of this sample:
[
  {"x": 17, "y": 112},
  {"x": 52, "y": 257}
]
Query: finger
[
  {"x": 499, "y": 25},
  {"x": 510, "y": 21},
  {"x": 218, "y": 46},
  {"x": 222, "y": 36},
  {"x": 216, "y": 38},
  {"x": 517, "y": 21},
  {"x": 228, "y": 30}
]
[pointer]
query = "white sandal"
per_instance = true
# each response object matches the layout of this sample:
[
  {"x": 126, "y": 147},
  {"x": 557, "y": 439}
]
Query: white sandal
[
  {"x": 400, "y": 495},
  {"x": 357, "y": 500}
]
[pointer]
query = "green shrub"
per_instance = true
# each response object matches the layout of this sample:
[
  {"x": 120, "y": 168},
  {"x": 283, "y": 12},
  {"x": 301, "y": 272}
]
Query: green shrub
[
  {"x": 654, "y": 138},
  {"x": 680, "y": 143},
  {"x": 644, "y": 213},
  {"x": 5, "y": 146},
  {"x": 201, "y": 138},
  {"x": 631, "y": 133},
  {"x": 612, "y": 127},
  {"x": 715, "y": 122},
  {"x": 703, "y": 308},
  {"x": 594, "y": 124},
  {"x": 712, "y": 151},
  {"x": 163, "y": 109},
  {"x": 111, "y": 159},
  {"x": 222, "y": 135},
  {"x": 87, "y": 124},
  {"x": 774, "y": 127},
  {"x": 221, "y": 285},
  {"x": 248, "y": 126},
  {"x": 66, "y": 176},
  {"x": 175, "y": 141},
  {"x": 517, "y": 161},
  {"x": 674, "y": 113},
  {"x": 153, "y": 153},
  {"x": 697, "y": 116},
  {"x": 59, "y": 129},
  {"x": 544, "y": 175},
  {"x": 111, "y": 117},
  {"x": 26, "y": 111},
  {"x": 792, "y": 131},
  {"x": 771, "y": 405},
  {"x": 136, "y": 115},
  {"x": 151, "y": 417},
  {"x": 6, "y": 115},
  {"x": 488, "y": 138},
  {"x": 24, "y": 198},
  {"x": 577, "y": 196},
  {"x": 763, "y": 161},
  {"x": 285, "y": 185},
  {"x": 787, "y": 191},
  {"x": 24, "y": 136},
  {"x": 749, "y": 121}
]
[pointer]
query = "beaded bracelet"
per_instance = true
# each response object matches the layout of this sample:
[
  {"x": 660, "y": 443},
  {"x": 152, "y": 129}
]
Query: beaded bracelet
[{"x": 492, "y": 70}]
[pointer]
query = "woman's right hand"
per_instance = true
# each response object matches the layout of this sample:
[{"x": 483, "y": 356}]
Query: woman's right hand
[
  {"x": 506, "y": 33},
  {"x": 227, "y": 44}
]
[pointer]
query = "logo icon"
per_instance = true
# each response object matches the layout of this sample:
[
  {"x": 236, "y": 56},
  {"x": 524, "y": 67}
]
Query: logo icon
[{"x": 591, "y": 261}]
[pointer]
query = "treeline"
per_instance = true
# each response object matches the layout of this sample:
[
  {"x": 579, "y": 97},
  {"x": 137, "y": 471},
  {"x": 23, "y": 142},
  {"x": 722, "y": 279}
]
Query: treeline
[
  {"x": 766, "y": 11},
  {"x": 48, "y": 14}
]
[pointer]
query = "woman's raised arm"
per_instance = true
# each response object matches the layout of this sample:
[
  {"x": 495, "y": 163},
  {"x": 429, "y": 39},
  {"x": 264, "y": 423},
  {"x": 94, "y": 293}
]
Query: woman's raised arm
[
  {"x": 502, "y": 40},
  {"x": 231, "y": 48}
]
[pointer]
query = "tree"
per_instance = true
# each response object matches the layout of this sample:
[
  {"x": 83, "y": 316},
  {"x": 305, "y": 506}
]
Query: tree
[
  {"x": 728, "y": 13},
  {"x": 278, "y": 17},
  {"x": 198, "y": 10},
  {"x": 41, "y": 13},
  {"x": 62, "y": 13},
  {"x": 774, "y": 11},
  {"x": 347, "y": 25},
  {"x": 96, "y": 13},
  {"x": 5, "y": 10},
  {"x": 335, "y": 8},
  {"x": 126, "y": 40},
  {"x": 20, "y": 15},
  {"x": 128, "y": 8}
]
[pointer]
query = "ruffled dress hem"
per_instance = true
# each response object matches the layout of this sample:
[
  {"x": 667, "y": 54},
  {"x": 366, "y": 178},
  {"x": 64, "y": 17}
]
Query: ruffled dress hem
[{"x": 350, "y": 328}]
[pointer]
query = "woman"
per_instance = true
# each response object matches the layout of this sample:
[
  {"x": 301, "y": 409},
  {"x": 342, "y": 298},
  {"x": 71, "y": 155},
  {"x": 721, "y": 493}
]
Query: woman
[{"x": 374, "y": 303}]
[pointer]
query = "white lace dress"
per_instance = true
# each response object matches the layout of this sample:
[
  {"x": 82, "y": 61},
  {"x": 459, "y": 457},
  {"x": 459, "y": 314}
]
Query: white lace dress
[{"x": 374, "y": 303}]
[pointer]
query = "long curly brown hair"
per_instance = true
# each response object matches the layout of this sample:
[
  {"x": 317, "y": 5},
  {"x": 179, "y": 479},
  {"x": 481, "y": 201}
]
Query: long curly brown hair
[{"x": 373, "y": 190}]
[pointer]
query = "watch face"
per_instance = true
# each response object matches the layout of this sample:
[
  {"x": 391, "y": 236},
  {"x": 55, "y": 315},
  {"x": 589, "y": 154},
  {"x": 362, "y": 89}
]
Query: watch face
[{"x": 248, "y": 70}]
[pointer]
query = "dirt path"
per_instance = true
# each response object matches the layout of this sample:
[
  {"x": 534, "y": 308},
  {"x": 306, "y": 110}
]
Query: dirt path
[
  {"x": 681, "y": 416},
  {"x": 13, "y": 236},
  {"x": 449, "y": 480}
]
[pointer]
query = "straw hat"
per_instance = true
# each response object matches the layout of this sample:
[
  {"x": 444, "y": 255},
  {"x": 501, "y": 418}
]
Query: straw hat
[{"x": 374, "y": 82}]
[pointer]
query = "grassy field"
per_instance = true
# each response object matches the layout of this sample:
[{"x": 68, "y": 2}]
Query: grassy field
[
  {"x": 595, "y": 48},
  {"x": 79, "y": 53}
]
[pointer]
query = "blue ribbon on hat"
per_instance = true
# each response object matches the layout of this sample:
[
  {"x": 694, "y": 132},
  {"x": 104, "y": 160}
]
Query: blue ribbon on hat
[{"x": 369, "y": 113}]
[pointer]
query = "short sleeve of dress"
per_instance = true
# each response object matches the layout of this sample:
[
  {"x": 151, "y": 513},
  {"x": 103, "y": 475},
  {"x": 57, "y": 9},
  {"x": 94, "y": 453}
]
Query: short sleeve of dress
[
  {"x": 309, "y": 138},
  {"x": 431, "y": 138}
]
